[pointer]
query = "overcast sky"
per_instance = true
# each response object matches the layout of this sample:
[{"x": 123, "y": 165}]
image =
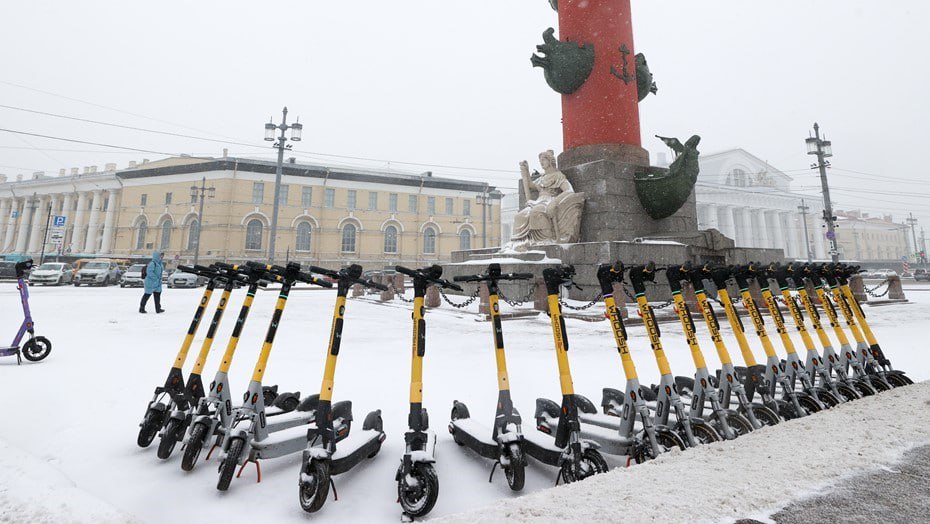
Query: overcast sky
[{"x": 450, "y": 83}]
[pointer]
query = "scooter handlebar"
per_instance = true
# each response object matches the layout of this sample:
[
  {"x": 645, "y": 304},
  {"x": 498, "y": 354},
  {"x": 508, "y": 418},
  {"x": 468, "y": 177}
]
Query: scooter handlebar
[
  {"x": 488, "y": 278},
  {"x": 429, "y": 274}
]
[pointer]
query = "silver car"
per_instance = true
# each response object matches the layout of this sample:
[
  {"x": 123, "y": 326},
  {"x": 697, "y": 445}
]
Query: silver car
[
  {"x": 181, "y": 279},
  {"x": 52, "y": 273},
  {"x": 133, "y": 276},
  {"x": 97, "y": 273}
]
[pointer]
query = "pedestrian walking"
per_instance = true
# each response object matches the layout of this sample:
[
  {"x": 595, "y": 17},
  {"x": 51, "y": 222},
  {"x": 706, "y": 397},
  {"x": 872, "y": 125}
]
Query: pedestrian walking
[{"x": 152, "y": 276}]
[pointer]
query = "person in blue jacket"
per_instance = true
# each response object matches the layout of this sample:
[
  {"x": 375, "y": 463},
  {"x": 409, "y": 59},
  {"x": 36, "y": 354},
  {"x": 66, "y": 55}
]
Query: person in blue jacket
[{"x": 153, "y": 272}]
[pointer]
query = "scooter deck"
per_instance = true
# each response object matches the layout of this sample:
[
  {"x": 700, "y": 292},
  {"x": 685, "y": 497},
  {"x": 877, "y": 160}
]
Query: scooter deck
[
  {"x": 355, "y": 448},
  {"x": 607, "y": 421},
  {"x": 475, "y": 436},
  {"x": 281, "y": 442},
  {"x": 542, "y": 448},
  {"x": 610, "y": 441},
  {"x": 286, "y": 420}
]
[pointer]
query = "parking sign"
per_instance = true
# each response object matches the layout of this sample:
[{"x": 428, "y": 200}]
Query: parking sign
[{"x": 59, "y": 221}]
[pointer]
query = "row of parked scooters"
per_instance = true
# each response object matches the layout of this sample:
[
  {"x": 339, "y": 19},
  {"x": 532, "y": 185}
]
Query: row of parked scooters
[{"x": 639, "y": 423}]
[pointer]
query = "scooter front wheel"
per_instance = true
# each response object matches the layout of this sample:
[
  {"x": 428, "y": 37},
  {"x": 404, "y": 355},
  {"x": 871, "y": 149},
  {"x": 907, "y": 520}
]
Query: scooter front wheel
[
  {"x": 418, "y": 498},
  {"x": 739, "y": 424},
  {"x": 848, "y": 392},
  {"x": 827, "y": 398},
  {"x": 864, "y": 388},
  {"x": 314, "y": 485},
  {"x": 516, "y": 470},
  {"x": 764, "y": 414},
  {"x": 36, "y": 349},
  {"x": 149, "y": 429},
  {"x": 667, "y": 441},
  {"x": 898, "y": 379},
  {"x": 228, "y": 466},
  {"x": 591, "y": 463},
  {"x": 194, "y": 446},
  {"x": 169, "y": 439},
  {"x": 704, "y": 433}
]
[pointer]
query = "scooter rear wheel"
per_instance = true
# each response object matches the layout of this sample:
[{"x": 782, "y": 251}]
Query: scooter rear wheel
[
  {"x": 36, "y": 349},
  {"x": 169, "y": 439},
  {"x": 228, "y": 466},
  {"x": 149, "y": 429},
  {"x": 194, "y": 446},
  {"x": 516, "y": 470},
  {"x": 417, "y": 501},
  {"x": 314, "y": 485}
]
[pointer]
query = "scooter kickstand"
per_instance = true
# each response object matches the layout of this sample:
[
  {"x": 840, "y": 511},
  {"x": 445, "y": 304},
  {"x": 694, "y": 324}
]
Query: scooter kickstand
[
  {"x": 332, "y": 484},
  {"x": 493, "y": 468},
  {"x": 258, "y": 469},
  {"x": 210, "y": 452}
]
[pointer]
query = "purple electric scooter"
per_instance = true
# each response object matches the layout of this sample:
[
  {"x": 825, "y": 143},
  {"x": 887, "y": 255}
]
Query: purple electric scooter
[{"x": 36, "y": 348}]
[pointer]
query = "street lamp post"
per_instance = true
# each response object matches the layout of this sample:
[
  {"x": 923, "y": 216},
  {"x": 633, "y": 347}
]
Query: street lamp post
[
  {"x": 280, "y": 142},
  {"x": 803, "y": 208},
  {"x": 911, "y": 221},
  {"x": 200, "y": 193},
  {"x": 823, "y": 149}
]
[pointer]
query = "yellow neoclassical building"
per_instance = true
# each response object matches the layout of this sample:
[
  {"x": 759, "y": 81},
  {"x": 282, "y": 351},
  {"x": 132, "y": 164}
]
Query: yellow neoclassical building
[{"x": 327, "y": 215}]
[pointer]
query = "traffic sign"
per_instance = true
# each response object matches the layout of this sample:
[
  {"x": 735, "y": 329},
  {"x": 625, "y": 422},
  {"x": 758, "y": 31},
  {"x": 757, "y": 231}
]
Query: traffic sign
[
  {"x": 14, "y": 214},
  {"x": 831, "y": 235},
  {"x": 59, "y": 221}
]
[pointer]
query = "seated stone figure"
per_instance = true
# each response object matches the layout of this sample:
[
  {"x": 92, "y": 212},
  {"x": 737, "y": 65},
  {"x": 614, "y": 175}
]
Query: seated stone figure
[{"x": 554, "y": 216}]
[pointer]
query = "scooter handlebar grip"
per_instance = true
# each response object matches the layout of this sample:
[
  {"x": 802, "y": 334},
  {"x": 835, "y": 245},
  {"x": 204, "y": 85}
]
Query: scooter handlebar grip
[
  {"x": 450, "y": 285},
  {"x": 409, "y": 272},
  {"x": 320, "y": 282},
  {"x": 468, "y": 278},
  {"x": 520, "y": 276},
  {"x": 323, "y": 271},
  {"x": 373, "y": 284}
]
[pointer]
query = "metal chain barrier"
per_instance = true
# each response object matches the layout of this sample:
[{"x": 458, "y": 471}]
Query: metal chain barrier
[
  {"x": 520, "y": 301},
  {"x": 665, "y": 304},
  {"x": 399, "y": 294},
  {"x": 873, "y": 294},
  {"x": 589, "y": 305},
  {"x": 461, "y": 305}
]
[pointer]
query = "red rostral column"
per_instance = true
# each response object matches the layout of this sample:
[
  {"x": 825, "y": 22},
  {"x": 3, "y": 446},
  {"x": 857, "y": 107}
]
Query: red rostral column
[{"x": 605, "y": 110}]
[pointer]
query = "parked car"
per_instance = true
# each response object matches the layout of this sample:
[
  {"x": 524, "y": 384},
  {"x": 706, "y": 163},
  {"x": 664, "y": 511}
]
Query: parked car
[
  {"x": 97, "y": 273},
  {"x": 56, "y": 273},
  {"x": 921, "y": 274},
  {"x": 182, "y": 279},
  {"x": 885, "y": 273},
  {"x": 7, "y": 270},
  {"x": 165, "y": 274},
  {"x": 133, "y": 276}
]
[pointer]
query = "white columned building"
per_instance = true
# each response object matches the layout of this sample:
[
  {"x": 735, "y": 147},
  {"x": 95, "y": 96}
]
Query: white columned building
[
  {"x": 4, "y": 218},
  {"x": 106, "y": 245},
  {"x": 748, "y": 200},
  {"x": 25, "y": 220},
  {"x": 77, "y": 236},
  {"x": 10, "y": 235},
  {"x": 90, "y": 243}
]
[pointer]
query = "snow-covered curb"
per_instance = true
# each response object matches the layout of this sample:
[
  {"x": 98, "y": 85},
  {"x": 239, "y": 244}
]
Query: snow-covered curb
[
  {"x": 754, "y": 475},
  {"x": 34, "y": 491}
]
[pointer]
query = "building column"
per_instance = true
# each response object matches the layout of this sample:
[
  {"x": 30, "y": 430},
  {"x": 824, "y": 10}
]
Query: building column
[
  {"x": 38, "y": 224},
  {"x": 792, "y": 233},
  {"x": 77, "y": 234},
  {"x": 90, "y": 242},
  {"x": 727, "y": 222},
  {"x": 778, "y": 233},
  {"x": 25, "y": 219},
  {"x": 760, "y": 229},
  {"x": 4, "y": 219},
  {"x": 10, "y": 235},
  {"x": 712, "y": 221},
  {"x": 820, "y": 243},
  {"x": 66, "y": 205},
  {"x": 746, "y": 227},
  {"x": 54, "y": 201},
  {"x": 108, "y": 222}
]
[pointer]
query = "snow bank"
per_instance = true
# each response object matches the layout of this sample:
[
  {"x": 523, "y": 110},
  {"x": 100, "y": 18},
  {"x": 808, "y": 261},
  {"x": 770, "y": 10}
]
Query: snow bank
[
  {"x": 754, "y": 475},
  {"x": 34, "y": 491}
]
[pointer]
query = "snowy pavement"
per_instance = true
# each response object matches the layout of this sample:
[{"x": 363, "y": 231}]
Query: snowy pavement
[{"x": 72, "y": 419}]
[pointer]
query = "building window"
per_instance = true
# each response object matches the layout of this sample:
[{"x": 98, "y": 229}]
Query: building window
[
  {"x": 303, "y": 236},
  {"x": 390, "y": 239},
  {"x": 306, "y": 196},
  {"x": 193, "y": 198},
  {"x": 372, "y": 201},
  {"x": 165, "y": 234},
  {"x": 258, "y": 193},
  {"x": 330, "y": 198},
  {"x": 412, "y": 203},
  {"x": 253, "y": 235},
  {"x": 348, "y": 238},
  {"x": 450, "y": 206},
  {"x": 144, "y": 199},
  {"x": 140, "y": 235},
  {"x": 351, "y": 199},
  {"x": 466, "y": 207},
  {"x": 392, "y": 202},
  {"x": 431, "y": 206},
  {"x": 193, "y": 235},
  {"x": 167, "y": 199},
  {"x": 429, "y": 241},
  {"x": 465, "y": 239},
  {"x": 282, "y": 196},
  {"x": 737, "y": 178}
]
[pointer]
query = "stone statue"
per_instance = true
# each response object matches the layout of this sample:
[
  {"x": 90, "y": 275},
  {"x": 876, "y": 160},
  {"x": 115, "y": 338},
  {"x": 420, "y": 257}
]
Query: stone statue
[
  {"x": 554, "y": 216},
  {"x": 663, "y": 193},
  {"x": 644, "y": 79}
]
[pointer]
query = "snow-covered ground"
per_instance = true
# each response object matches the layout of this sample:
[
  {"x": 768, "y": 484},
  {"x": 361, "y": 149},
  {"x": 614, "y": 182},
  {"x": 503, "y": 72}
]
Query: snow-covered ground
[{"x": 69, "y": 423}]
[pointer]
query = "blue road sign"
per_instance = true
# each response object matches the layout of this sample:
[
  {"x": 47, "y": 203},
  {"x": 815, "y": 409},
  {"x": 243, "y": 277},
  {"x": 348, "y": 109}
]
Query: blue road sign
[
  {"x": 831, "y": 235},
  {"x": 14, "y": 214},
  {"x": 59, "y": 221}
]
